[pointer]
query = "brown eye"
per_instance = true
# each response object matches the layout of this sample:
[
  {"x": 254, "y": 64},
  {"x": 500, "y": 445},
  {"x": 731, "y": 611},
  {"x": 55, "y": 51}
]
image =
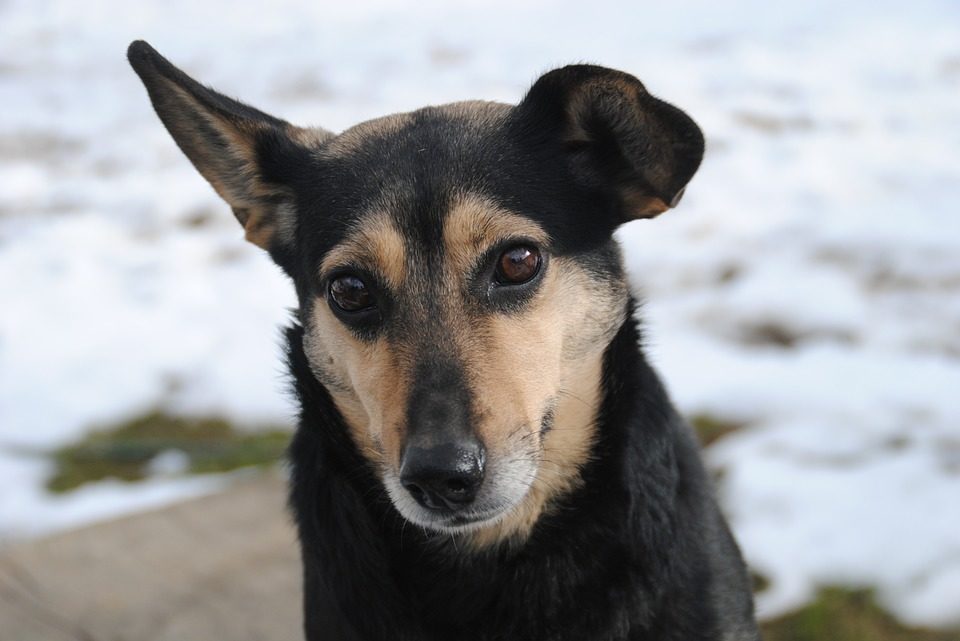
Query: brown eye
[
  {"x": 351, "y": 294},
  {"x": 518, "y": 265}
]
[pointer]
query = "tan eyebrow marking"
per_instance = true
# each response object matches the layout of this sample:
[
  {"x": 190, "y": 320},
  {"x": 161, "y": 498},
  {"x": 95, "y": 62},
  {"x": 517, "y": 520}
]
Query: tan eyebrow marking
[
  {"x": 475, "y": 223},
  {"x": 375, "y": 244}
]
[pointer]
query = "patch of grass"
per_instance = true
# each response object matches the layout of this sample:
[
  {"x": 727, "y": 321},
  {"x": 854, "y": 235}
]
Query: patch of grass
[
  {"x": 199, "y": 217},
  {"x": 710, "y": 428},
  {"x": 779, "y": 335},
  {"x": 842, "y": 614},
  {"x": 760, "y": 582},
  {"x": 124, "y": 451}
]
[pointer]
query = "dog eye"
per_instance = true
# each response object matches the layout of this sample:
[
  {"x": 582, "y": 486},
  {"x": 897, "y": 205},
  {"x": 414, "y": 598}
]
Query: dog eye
[
  {"x": 351, "y": 294},
  {"x": 518, "y": 265}
]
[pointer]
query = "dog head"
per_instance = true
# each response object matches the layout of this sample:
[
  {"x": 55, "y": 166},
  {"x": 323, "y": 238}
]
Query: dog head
[{"x": 457, "y": 276}]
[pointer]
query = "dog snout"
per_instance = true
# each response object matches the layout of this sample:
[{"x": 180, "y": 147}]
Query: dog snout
[{"x": 443, "y": 477}]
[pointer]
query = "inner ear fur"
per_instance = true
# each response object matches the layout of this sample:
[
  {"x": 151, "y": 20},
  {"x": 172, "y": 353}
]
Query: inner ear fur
[
  {"x": 617, "y": 137},
  {"x": 249, "y": 157}
]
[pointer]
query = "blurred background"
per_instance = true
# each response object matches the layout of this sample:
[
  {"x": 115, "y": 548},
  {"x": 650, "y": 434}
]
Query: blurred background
[{"x": 802, "y": 304}]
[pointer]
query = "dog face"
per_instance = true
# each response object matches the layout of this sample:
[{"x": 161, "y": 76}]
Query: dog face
[{"x": 457, "y": 276}]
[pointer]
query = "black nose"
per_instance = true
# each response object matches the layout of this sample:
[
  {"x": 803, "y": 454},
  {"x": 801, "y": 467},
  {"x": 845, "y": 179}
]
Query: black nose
[{"x": 443, "y": 477}]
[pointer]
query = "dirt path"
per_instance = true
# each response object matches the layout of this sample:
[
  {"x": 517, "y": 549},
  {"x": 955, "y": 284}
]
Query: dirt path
[{"x": 220, "y": 567}]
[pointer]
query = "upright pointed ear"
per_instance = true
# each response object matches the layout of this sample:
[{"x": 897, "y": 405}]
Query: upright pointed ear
[
  {"x": 616, "y": 136},
  {"x": 250, "y": 158}
]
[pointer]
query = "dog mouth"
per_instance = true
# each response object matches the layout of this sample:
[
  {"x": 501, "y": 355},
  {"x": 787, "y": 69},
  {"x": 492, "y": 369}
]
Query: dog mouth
[
  {"x": 456, "y": 522},
  {"x": 495, "y": 501},
  {"x": 461, "y": 522}
]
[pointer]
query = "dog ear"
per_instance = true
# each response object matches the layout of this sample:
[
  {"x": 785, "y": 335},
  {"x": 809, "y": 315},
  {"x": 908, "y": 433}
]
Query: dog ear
[
  {"x": 249, "y": 157},
  {"x": 616, "y": 136}
]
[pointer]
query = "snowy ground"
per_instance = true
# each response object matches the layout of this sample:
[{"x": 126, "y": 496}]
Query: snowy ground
[{"x": 809, "y": 285}]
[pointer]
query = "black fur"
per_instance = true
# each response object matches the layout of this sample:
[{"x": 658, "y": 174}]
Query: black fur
[
  {"x": 639, "y": 551},
  {"x": 626, "y": 556}
]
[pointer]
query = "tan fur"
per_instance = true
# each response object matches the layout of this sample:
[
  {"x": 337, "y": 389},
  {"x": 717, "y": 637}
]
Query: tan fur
[
  {"x": 565, "y": 450},
  {"x": 252, "y": 200},
  {"x": 358, "y": 134},
  {"x": 258, "y": 228},
  {"x": 641, "y": 205},
  {"x": 365, "y": 381},
  {"x": 310, "y": 137},
  {"x": 376, "y": 245},
  {"x": 549, "y": 353},
  {"x": 519, "y": 366},
  {"x": 476, "y": 223},
  {"x": 368, "y": 382}
]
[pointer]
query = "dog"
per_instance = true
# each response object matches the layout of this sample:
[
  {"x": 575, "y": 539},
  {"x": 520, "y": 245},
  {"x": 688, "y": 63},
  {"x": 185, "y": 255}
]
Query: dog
[{"x": 483, "y": 452}]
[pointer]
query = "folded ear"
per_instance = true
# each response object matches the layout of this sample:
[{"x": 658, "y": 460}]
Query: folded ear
[
  {"x": 617, "y": 136},
  {"x": 250, "y": 158}
]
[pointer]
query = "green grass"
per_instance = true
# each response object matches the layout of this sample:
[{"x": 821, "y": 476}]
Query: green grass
[
  {"x": 760, "y": 582},
  {"x": 842, "y": 614},
  {"x": 710, "y": 428},
  {"x": 124, "y": 451}
]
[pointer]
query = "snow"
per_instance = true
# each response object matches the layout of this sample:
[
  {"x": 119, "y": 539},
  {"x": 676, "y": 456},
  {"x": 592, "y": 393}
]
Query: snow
[
  {"x": 808, "y": 285},
  {"x": 27, "y": 510}
]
